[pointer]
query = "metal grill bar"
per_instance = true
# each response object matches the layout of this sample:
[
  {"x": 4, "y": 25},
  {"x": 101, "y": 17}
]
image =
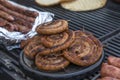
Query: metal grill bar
[
  {"x": 103, "y": 23},
  {"x": 98, "y": 22}
]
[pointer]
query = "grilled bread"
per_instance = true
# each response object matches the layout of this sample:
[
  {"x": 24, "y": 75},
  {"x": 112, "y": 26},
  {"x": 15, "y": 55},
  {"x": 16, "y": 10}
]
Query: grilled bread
[
  {"x": 83, "y": 5},
  {"x": 50, "y": 2}
]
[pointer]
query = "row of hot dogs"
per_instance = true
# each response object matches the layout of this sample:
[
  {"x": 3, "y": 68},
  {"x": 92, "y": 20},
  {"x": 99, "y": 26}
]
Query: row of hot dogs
[
  {"x": 111, "y": 69},
  {"x": 15, "y": 18}
]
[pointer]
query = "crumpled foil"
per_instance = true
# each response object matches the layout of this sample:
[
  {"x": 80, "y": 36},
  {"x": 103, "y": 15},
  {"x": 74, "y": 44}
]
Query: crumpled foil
[{"x": 12, "y": 39}]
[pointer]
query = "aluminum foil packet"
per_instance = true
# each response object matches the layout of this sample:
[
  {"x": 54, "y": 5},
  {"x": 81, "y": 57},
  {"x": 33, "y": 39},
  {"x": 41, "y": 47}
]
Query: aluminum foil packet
[{"x": 12, "y": 39}]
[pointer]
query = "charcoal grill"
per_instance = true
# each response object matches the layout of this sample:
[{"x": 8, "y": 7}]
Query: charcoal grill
[{"x": 103, "y": 23}]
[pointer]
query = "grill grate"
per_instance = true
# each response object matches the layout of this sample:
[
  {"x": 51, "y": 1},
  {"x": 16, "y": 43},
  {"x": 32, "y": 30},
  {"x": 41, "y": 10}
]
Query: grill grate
[
  {"x": 103, "y": 23},
  {"x": 99, "y": 22},
  {"x": 113, "y": 48},
  {"x": 113, "y": 6},
  {"x": 114, "y": 45}
]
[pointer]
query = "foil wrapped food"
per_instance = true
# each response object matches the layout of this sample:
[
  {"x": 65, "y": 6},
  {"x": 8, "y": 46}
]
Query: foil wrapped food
[{"x": 12, "y": 39}]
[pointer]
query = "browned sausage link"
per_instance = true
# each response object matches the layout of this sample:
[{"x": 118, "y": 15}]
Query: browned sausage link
[
  {"x": 30, "y": 19},
  {"x": 16, "y": 27},
  {"x": 6, "y": 16},
  {"x": 31, "y": 13},
  {"x": 2, "y": 22},
  {"x": 18, "y": 9},
  {"x": 22, "y": 28},
  {"x": 22, "y": 22},
  {"x": 10, "y": 27},
  {"x": 115, "y": 61},
  {"x": 108, "y": 78},
  {"x": 109, "y": 70}
]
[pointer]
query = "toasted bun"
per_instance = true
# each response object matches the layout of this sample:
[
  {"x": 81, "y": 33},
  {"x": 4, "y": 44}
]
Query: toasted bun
[
  {"x": 84, "y": 5},
  {"x": 47, "y": 2}
]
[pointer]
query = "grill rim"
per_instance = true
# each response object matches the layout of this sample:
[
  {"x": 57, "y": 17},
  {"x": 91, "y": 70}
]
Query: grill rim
[
  {"x": 81, "y": 72},
  {"x": 104, "y": 39}
]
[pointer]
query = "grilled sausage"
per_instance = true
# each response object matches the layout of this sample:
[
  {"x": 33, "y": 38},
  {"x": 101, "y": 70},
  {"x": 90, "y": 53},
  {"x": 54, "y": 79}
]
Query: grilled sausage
[
  {"x": 16, "y": 27},
  {"x": 109, "y": 70},
  {"x": 114, "y": 61},
  {"x": 6, "y": 16},
  {"x": 54, "y": 40},
  {"x": 51, "y": 62},
  {"x": 108, "y": 78},
  {"x": 2, "y": 22},
  {"x": 22, "y": 22},
  {"x": 11, "y": 27},
  {"x": 30, "y": 19},
  {"x": 19, "y": 9},
  {"x": 85, "y": 50},
  {"x": 25, "y": 42},
  {"x": 52, "y": 27},
  {"x": 22, "y": 28}
]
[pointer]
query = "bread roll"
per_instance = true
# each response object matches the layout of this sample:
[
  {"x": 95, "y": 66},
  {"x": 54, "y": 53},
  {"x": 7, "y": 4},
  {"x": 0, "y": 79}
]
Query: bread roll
[{"x": 83, "y": 5}]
